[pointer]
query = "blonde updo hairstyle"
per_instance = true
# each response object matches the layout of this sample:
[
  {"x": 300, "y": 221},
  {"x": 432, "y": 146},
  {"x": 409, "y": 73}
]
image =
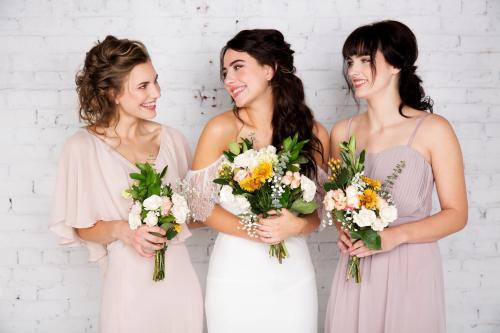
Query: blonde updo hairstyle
[{"x": 101, "y": 79}]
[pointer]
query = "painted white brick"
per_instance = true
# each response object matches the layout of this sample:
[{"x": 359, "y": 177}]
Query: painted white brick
[
  {"x": 474, "y": 7},
  {"x": 44, "y": 45},
  {"x": 29, "y": 257}
]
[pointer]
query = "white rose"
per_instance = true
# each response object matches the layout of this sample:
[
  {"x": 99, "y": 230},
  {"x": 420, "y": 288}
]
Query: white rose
[
  {"x": 308, "y": 188},
  {"x": 378, "y": 225},
  {"x": 364, "y": 218},
  {"x": 136, "y": 208},
  {"x": 151, "y": 219},
  {"x": 226, "y": 194},
  {"x": 134, "y": 216},
  {"x": 180, "y": 208},
  {"x": 388, "y": 214},
  {"x": 245, "y": 160},
  {"x": 241, "y": 205},
  {"x": 153, "y": 202}
]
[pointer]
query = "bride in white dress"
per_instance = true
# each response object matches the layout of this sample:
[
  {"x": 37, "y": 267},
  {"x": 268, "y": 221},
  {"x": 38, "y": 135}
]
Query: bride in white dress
[{"x": 248, "y": 291}]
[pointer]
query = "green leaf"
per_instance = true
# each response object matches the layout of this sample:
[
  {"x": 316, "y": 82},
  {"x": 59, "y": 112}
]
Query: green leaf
[
  {"x": 142, "y": 166},
  {"x": 165, "y": 226},
  {"x": 287, "y": 144},
  {"x": 163, "y": 172},
  {"x": 340, "y": 216},
  {"x": 229, "y": 156},
  {"x": 330, "y": 186},
  {"x": 167, "y": 219},
  {"x": 352, "y": 144},
  {"x": 234, "y": 148},
  {"x": 154, "y": 189},
  {"x": 137, "y": 176},
  {"x": 369, "y": 236},
  {"x": 302, "y": 207},
  {"x": 362, "y": 157},
  {"x": 171, "y": 233},
  {"x": 221, "y": 181}
]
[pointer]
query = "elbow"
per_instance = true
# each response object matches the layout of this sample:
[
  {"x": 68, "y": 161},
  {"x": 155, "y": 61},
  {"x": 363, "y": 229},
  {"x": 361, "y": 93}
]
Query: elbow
[{"x": 461, "y": 219}]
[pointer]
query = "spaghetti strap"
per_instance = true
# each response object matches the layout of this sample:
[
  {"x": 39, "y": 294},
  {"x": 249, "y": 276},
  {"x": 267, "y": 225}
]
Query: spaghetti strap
[
  {"x": 419, "y": 122},
  {"x": 348, "y": 129}
]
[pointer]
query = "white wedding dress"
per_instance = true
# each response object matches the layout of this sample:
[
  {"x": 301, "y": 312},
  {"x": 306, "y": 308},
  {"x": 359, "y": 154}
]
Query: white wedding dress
[{"x": 246, "y": 290}]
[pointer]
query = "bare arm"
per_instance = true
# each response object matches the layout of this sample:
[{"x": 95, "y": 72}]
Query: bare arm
[
  {"x": 105, "y": 232},
  {"x": 448, "y": 169},
  {"x": 447, "y": 166},
  {"x": 213, "y": 141}
]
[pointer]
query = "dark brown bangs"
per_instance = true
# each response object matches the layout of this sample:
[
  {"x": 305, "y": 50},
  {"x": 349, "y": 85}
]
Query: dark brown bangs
[{"x": 362, "y": 41}]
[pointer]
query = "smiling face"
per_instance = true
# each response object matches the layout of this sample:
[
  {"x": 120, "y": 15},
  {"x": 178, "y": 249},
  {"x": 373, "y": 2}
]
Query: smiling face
[
  {"x": 244, "y": 78},
  {"x": 139, "y": 92},
  {"x": 366, "y": 82}
]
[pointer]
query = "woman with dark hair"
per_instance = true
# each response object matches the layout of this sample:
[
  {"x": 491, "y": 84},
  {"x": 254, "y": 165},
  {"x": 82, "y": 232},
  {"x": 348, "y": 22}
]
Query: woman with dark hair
[
  {"x": 247, "y": 291},
  {"x": 118, "y": 89},
  {"x": 401, "y": 287}
]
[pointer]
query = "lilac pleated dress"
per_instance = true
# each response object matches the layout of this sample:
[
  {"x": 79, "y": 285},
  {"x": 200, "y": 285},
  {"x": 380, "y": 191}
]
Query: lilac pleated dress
[
  {"x": 401, "y": 290},
  {"x": 90, "y": 179}
]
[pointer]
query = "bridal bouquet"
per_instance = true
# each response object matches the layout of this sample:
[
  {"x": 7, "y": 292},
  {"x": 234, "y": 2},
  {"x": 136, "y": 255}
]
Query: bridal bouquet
[
  {"x": 257, "y": 181},
  {"x": 362, "y": 205},
  {"x": 155, "y": 203}
]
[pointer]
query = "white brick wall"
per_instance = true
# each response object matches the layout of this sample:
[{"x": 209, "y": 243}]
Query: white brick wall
[{"x": 45, "y": 288}]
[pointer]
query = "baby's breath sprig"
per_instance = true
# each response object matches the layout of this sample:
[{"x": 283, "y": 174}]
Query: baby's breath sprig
[{"x": 248, "y": 223}]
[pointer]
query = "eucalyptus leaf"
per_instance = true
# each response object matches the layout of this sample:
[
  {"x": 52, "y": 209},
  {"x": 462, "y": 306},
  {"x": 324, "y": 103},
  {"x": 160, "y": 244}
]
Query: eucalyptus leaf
[{"x": 302, "y": 207}]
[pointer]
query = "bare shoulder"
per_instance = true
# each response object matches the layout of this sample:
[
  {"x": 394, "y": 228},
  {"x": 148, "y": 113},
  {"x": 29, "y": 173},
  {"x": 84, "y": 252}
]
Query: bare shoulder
[
  {"x": 436, "y": 127},
  {"x": 339, "y": 129},
  {"x": 217, "y": 133}
]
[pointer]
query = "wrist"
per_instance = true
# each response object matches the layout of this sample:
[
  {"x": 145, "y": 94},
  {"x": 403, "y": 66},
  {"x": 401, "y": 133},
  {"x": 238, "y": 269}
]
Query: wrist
[
  {"x": 301, "y": 225},
  {"x": 401, "y": 235},
  {"x": 118, "y": 229}
]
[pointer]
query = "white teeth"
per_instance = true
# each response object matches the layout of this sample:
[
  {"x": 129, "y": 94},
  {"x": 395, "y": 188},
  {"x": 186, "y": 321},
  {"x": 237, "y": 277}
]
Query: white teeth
[
  {"x": 238, "y": 90},
  {"x": 148, "y": 105}
]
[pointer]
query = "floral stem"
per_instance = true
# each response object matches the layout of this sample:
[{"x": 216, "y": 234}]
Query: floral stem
[{"x": 159, "y": 269}]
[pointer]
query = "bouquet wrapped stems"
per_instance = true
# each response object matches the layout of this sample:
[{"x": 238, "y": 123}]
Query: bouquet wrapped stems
[
  {"x": 279, "y": 251},
  {"x": 353, "y": 269},
  {"x": 159, "y": 270}
]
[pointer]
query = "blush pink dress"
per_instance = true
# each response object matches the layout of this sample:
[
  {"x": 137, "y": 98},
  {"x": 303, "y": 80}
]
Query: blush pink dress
[
  {"x": 90, "y": 180},
  {"x": 401, "y": 290}
]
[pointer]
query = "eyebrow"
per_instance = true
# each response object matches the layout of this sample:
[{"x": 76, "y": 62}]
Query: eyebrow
[
  {"x": 146, "y": 82},
  {"x": 235, "y": 61}
]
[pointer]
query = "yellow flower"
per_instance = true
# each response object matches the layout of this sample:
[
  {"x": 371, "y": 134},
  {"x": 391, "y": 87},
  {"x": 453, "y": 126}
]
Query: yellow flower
[
  {"x": 177, "y": 227},
  {"x": 263, "y": 171},
  {"x": 369, "y": 199},
  {"x": 250, "y": 184},
  {"x": 373, "y": 183}
]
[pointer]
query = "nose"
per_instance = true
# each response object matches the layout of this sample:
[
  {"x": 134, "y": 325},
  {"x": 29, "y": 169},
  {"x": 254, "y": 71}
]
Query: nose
[
  {"x": 228, "y": 79},
  {"x": 155, "y": 92}
]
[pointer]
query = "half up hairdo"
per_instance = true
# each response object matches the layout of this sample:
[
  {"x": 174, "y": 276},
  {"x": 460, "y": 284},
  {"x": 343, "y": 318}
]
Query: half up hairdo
[
  {"x": 290, "y": 113},
  {"x": 101, "y": 78},
  {"x": 398, "y": 44}
]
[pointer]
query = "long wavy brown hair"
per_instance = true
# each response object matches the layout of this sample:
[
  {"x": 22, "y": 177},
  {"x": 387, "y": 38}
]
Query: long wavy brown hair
[{"x": 290, "y": 113}]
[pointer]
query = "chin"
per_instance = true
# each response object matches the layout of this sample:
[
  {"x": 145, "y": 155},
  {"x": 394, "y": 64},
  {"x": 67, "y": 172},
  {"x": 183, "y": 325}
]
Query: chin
[{"x": 361, "y": 94}]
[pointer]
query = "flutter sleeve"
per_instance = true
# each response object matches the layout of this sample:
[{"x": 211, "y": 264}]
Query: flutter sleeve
[
  {"x": 202, "y": 190},
  {"x": 74, "y": 204}
]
